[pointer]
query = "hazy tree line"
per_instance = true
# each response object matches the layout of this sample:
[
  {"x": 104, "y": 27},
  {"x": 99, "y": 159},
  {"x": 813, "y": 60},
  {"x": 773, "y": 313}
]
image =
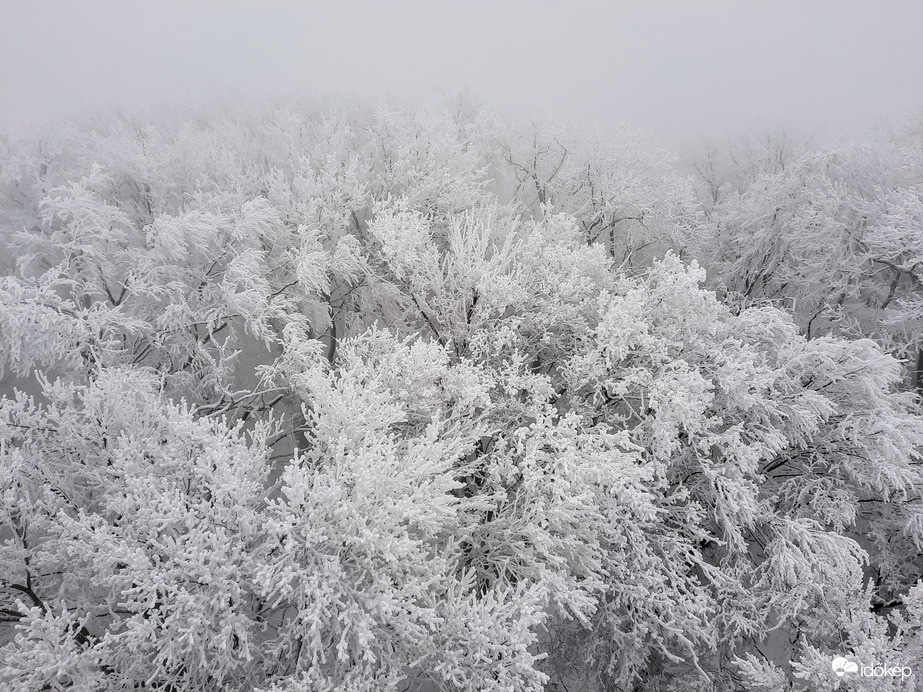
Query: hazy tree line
[{"x": 368, "y": 397}]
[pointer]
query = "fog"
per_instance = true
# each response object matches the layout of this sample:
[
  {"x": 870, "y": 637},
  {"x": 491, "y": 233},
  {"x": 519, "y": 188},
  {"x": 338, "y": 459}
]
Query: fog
[{"x": 679, "y": 70}]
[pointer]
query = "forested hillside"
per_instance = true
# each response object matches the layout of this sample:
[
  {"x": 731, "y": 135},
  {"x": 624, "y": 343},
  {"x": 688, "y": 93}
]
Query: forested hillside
[{"x": 368, "y": 397}]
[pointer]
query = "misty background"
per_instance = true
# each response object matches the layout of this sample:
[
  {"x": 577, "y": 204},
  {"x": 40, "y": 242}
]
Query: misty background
[{"x": 678, "y": 70}]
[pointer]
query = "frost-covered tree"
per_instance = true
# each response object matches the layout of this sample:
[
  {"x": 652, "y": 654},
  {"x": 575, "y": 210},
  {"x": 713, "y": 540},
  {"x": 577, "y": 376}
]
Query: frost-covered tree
[
  {"x": 310, "y": 398},
  {"x": 834, "y": 234},
  {"x": 624, "y": 191}
]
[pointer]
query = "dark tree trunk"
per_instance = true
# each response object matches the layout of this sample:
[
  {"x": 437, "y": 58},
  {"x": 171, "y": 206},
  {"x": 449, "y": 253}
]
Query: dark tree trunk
[{"x": 918, "y": 375}]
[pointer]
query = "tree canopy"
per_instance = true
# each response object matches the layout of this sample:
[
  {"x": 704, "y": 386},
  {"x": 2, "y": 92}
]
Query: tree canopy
[{"x": 379, "y": 398}]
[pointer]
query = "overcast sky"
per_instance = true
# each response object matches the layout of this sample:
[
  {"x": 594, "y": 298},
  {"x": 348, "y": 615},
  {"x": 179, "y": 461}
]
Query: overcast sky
[{"x": 679, "y": 69}]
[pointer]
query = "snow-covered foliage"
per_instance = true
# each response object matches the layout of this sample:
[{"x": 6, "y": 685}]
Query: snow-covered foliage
[
  {"x": 322, "y": 398},
  {"x": 835, "y": 234}
]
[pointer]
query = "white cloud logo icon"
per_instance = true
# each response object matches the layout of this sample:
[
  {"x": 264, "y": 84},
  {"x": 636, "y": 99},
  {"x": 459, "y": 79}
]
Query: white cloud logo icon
[{"x": 841, "y": 666}]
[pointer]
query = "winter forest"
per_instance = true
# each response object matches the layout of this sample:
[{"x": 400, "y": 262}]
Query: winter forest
[{"x": 361, "y": 396}]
